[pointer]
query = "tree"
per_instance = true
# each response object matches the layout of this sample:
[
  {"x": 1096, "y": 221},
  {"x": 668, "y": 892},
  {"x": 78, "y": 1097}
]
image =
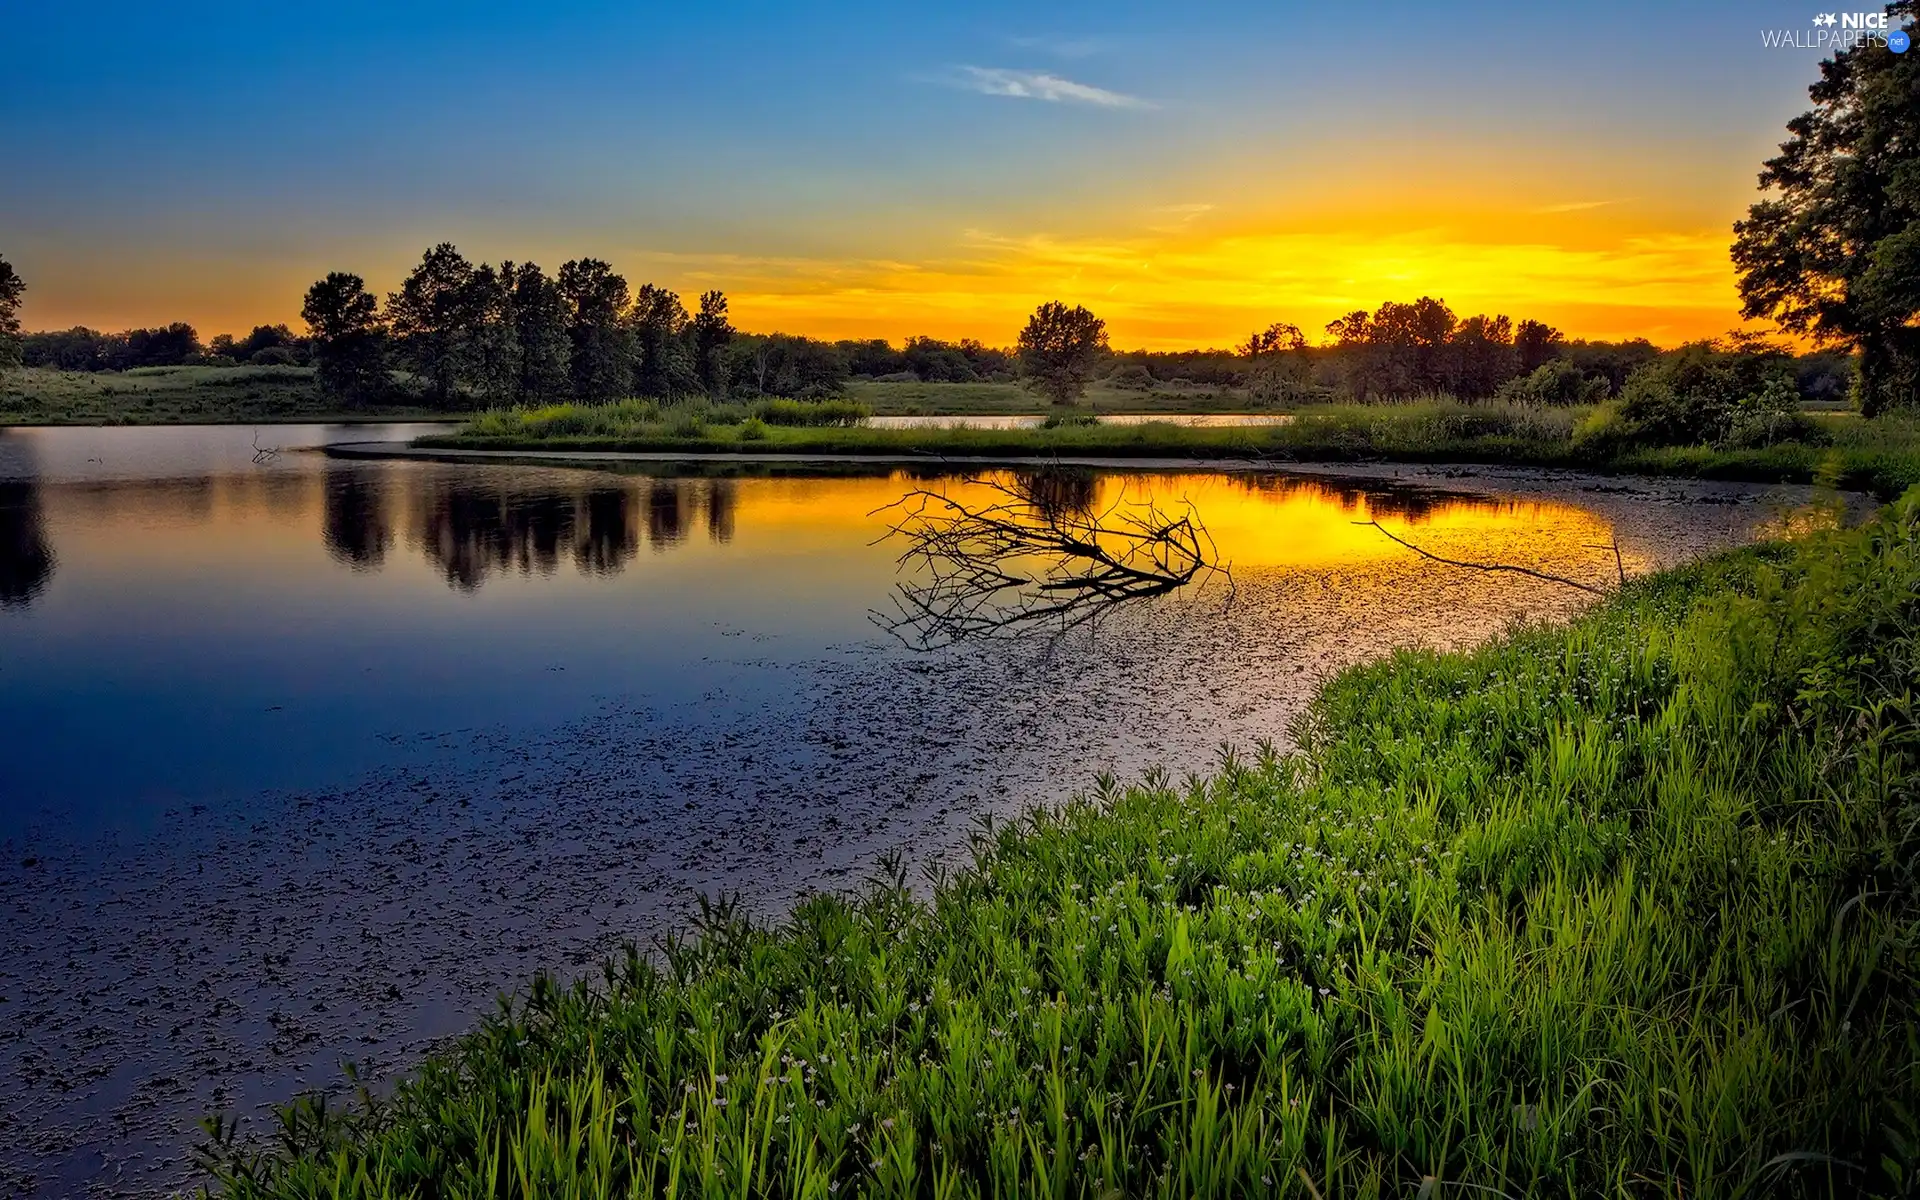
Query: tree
[
  {"x": 1535, "y": 344},
  {"x": 1834, "y": 253},
  {"x": 492, "y": 350},
  {"x": 540, "y": 317},
  {"x": 1481, "y": 356},
  {"x": 600, "y": 346},
  {"x": 663, "y": 363},
  {"x": 433, "y": 320},
  {"x": 1277, "y": 363},
  {"x": 710, "y": 332},
  {"x": 349, "y": 344},
  {"x": 1058, "y": 350},
  {"x": 12, "y": 289}
]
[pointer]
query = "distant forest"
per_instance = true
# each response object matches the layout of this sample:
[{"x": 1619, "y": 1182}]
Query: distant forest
[{"x": 459, "y": 334}]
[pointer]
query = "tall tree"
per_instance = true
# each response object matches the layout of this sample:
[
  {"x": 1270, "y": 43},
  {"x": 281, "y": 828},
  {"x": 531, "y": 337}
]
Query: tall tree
[
  {"x": 1834, "y": 253},
  {"x": 12, "y": 288},
  {"x": 1277, "y": 363},
  {"x": 1535, "y": 344},
  {"x": 709, "y": 333},
  {"x": 433, "y": 320},
  {"x": 349, "y": 344},
  {"x": 492, "y": 336},
  {"x": 540, "y": 334},
  {"x": 1480, "y": 356},
  {"x": 1059, "y": 347},
  {"x": 663, "y": 363},
  {"x": 601, "y": 350}
]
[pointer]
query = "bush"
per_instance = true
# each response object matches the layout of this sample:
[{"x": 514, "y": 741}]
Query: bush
[
  {"x": 1068, "y": 419},
  {"x": 844, "y": 413},
  {"x": 1558, "y": 382},
  {"x": 1133, "y": 377},
  {"x": 753, "y": 430}
]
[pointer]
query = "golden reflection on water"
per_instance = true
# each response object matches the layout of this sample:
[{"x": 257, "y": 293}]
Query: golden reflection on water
[{"x": 472, "y": 524}]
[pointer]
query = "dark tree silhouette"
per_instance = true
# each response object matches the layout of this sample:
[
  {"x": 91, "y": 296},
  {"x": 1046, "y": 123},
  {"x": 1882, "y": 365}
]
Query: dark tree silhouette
[
  {"x": 710, "y": 332},
  {"x": 1834, "y": 252},
  {"x": 540, "y": 334},
  {"x": 12, "y": 289},
  {"x": 602, "y": 356},
  {"x": 349, "y": 345},
  {"x": 433, "y": 320},
  {"x": 663, "y": 363},
  {"x": 1058, "y": 350}
]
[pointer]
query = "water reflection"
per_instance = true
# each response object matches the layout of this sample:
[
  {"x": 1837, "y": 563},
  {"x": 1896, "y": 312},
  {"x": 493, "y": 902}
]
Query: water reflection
[
  {"x": 26, "y": 560},
  {"x": 356, "y": 525},
  {"x": 26, "y": 557}
]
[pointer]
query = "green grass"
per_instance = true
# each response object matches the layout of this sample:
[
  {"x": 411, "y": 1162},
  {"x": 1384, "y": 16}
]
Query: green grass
[
  {"x": 1626, "y": 908},
  {"x": 172, "y": 396},
  {"x": 1007, "y": 399},
  {"x": 1881, "y": 457}
]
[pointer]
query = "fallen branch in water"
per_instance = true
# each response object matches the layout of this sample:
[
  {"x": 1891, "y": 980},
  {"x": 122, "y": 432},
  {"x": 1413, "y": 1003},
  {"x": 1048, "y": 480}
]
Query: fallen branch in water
[
  {"x": 1036, "y": 555},
  {"x": 1477, "y": 566}
]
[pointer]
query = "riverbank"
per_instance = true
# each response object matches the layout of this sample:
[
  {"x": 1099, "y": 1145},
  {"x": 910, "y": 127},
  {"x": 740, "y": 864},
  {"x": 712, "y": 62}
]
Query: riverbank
[
  {"x": 1881, "y": 457},
  {"x": 1626, "y": 904},
  {"x": 189, "y": 395}
]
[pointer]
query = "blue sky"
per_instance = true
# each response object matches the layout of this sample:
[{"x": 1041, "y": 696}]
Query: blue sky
[{"x": 893, "y": 162}]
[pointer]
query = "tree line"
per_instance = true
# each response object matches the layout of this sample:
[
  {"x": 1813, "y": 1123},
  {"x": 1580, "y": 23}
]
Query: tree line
[{"x": 458, "y": 334}]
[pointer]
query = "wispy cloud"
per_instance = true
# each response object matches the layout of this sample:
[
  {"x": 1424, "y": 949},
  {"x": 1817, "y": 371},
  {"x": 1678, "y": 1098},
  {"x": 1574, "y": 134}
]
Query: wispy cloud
[
  {"x": 1040, "y": 85},
  {"x": 1575, "y": 206}
]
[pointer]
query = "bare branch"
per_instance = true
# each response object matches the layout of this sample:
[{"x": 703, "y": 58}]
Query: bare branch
[
  {"x": 1034, "y": 555},
  {"x": 1476, "y": 566}
]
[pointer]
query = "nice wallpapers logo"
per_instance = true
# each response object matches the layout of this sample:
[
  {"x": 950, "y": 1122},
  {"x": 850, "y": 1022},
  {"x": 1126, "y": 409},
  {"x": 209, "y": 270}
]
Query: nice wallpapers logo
[{"x": 1840, "y": 31}]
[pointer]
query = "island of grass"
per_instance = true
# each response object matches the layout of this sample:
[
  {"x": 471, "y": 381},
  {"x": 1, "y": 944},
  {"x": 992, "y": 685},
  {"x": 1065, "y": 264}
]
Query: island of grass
[
  {"x": 1880, "y": 456},
  {"x": 1621, "y": 908}
]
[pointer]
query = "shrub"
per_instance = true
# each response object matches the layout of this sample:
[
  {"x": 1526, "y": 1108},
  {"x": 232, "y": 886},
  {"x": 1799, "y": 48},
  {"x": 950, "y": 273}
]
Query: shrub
[
  {"x": 1557, "y": 382},
  {"x": 845, "y": 413},
  {"x": 753, "y": 430}
]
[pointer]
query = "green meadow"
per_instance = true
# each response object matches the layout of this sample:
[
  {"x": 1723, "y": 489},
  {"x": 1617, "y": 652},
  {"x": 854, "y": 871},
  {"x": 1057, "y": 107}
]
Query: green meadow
[
  {"x": 1620, "y": 908},
  {"x": 182, "y": 395}
]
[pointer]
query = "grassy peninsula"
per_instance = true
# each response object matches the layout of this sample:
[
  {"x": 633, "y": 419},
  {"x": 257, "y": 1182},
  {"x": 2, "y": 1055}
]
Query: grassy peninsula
[
  {"x": 1623, "y": 908},
  {"x": 1879, "y": 456}
]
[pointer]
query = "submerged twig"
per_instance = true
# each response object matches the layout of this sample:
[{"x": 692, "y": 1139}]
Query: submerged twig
[
  {"x": 1036, "y": 555},
  {"x": 1477, "y": 566}
]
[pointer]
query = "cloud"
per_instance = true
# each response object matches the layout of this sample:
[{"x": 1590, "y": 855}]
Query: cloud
[
  {"x": 1040, "y": 85},
  {"x": 1574, "y": 206}
]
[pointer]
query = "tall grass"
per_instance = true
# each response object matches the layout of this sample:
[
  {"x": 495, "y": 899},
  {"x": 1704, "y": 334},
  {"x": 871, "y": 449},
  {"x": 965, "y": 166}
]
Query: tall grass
[{"x": 1620, "y": 909}]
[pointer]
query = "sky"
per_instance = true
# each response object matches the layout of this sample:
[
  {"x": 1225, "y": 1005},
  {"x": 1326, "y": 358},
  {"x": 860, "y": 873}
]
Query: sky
[{"x": 1188, "y": 171}]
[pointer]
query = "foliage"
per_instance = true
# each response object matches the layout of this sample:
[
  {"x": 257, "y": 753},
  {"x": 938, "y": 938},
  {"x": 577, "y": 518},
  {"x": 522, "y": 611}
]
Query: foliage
[
  {"x": 1058, "y": 350},
  {"x": 434, "y": 318},
  {"x": 1692, "y": 395},
  {"x": 709, "y": 332},
  {"x": 601, "y": 354},
  {"x": 12, "y": 289},
  {"x": 1624, "y": 908},
  {"x": 1556, "y": 382},
  {"x": 1834, "y": 252},
  {"x": 818, "y": 413},
  {"x": 349, "y": 341}
]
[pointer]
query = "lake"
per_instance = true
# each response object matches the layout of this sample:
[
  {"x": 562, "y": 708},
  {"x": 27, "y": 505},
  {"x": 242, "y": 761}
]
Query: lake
[{"x": 306, "y": 758}]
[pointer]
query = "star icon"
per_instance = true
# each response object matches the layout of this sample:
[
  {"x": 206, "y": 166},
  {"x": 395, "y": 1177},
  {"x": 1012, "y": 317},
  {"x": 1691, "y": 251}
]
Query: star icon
[{"x": 1825, "y": 19}]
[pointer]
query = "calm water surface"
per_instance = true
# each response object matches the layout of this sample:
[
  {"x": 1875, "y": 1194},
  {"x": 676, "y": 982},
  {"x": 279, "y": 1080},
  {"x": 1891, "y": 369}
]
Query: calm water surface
[{"x": 305, "y": 758}]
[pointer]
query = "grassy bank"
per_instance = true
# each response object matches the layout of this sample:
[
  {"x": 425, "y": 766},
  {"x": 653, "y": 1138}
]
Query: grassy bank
[
  {"x": 1625, "y": 908},
  {"x": 890, "y": 398},
  {"x": 1881, "y": 457},
  {"x": 173, "y": 396}
]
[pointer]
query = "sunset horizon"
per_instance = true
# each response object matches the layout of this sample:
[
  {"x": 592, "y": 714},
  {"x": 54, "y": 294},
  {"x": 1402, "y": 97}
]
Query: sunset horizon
[{"x": 937, "y": 180}]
